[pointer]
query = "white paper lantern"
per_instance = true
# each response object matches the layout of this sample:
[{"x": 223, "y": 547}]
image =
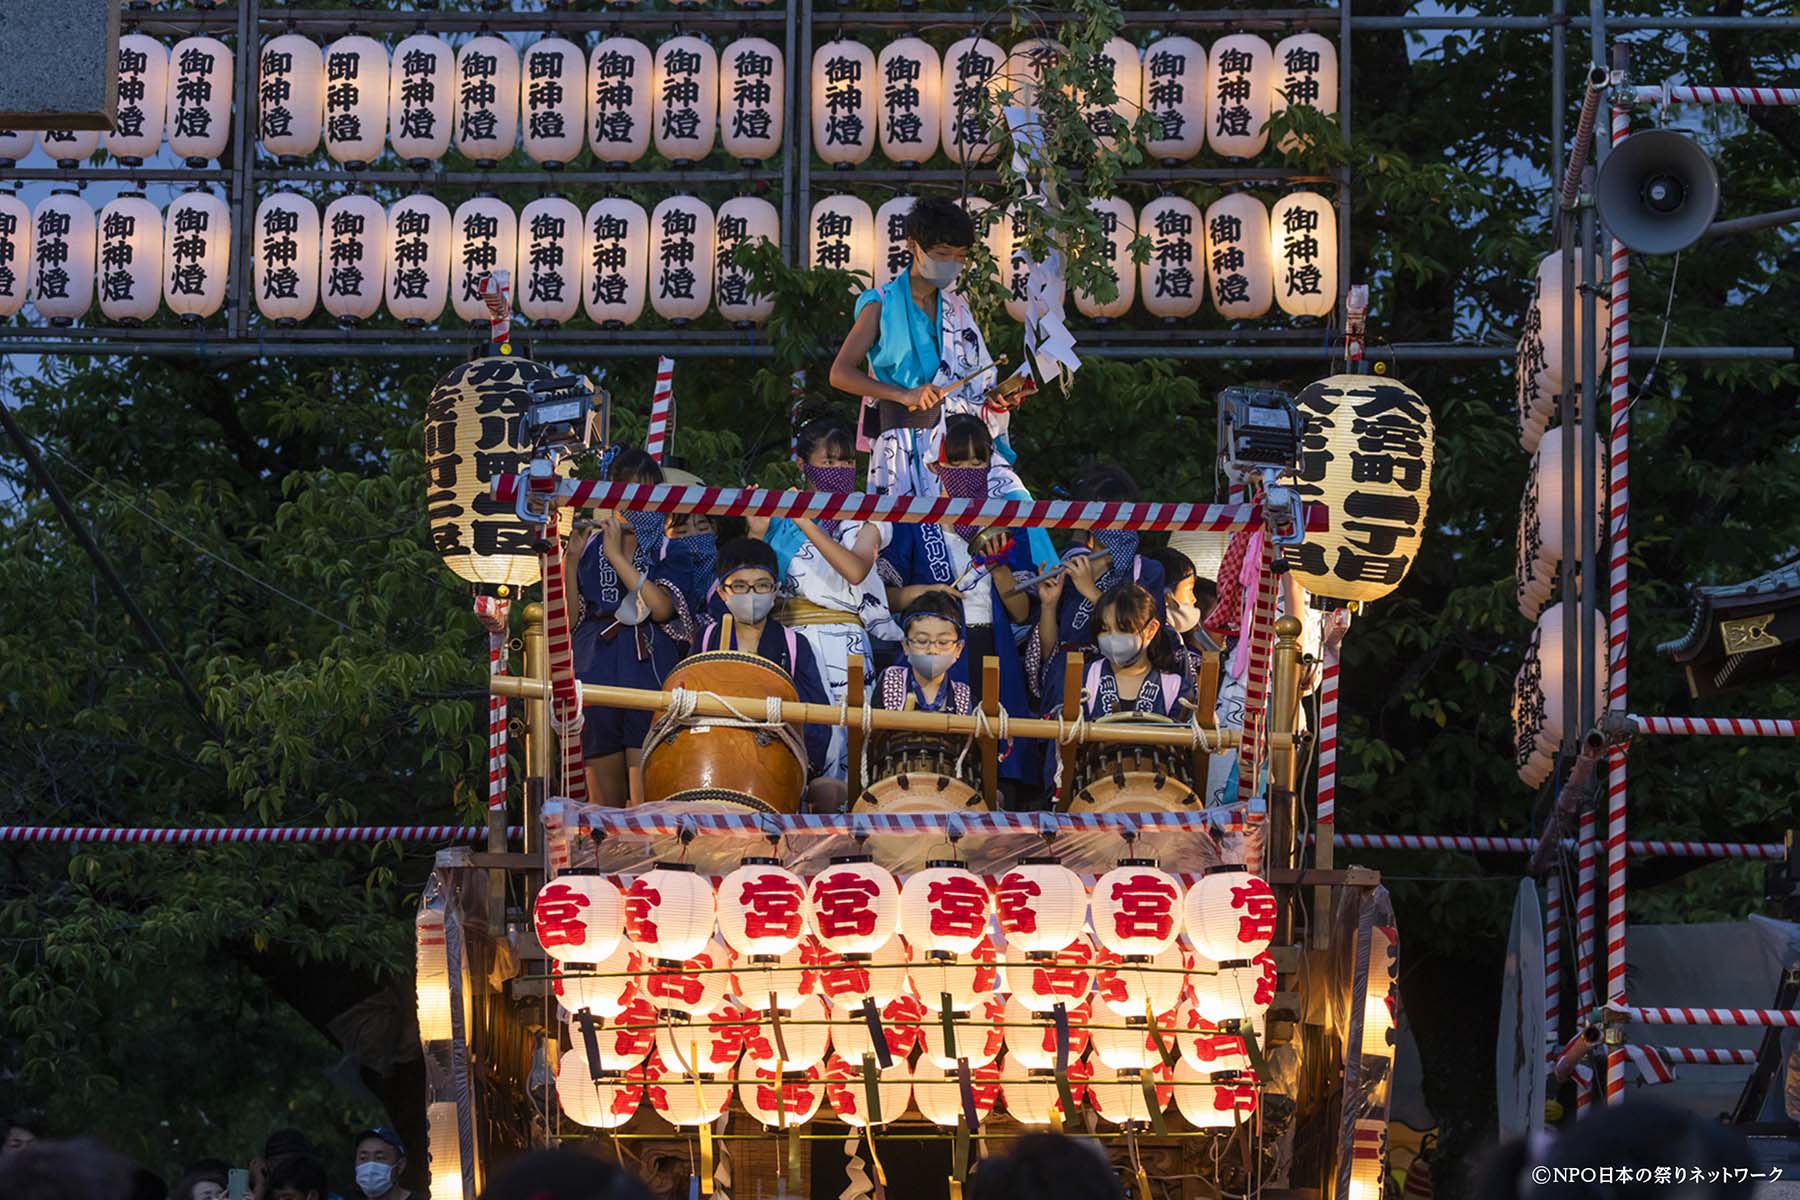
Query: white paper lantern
[
  {"x": 1539, "y": 691},
  {"x": 603, "y": 986},
  {"x": 1204, "y": 1046},
  {"x": 979, "y": 1033},
  {"x": 1137, "y": 908},
  {"x": 1172, "y": 278},
  {"x": 1033, "y": 1100},
  {"x": 15, "y": 253},
  {"x": 1238, "y": 265},
  {"x": 742, "y": 220},
  {"x": 553, "y": 100},
  {"x": 849, "y": 1095},
  {"x": 616, "y": 253},
  {"x": 605, "y": 1103},
  {"x": 487, "y": 99},
  {"x": 944, "y": 909},
  {"x": 547, "y": 285},
  {"x": 577, "y": 916},
  {"x": 354, "y": 231},
  {"x": 444, "y": 1148},
  {"x": 356, "y": 100},
  {"x": 1118, "y": 1095},
  {"x": 285, "y": 258},
  {"x": 1550, "y": 310},
  {"x": 892, "y": 252},
  {"x": 17, "y": 143},
  {"x": 846, "y": 980},
  {"x": 1229, "y": 914},
  {"x": 762, "y": 909},
  {"x": 1118, "y": 227},
  {"x": 1007, "y": 245},
  {"x": 431, "y": 976},
  {"x": 1035, "y": 1047},
  {"x": 65, "y": 237},
  {"x": 1239, "y": 79},
  {"x": 418, "y": 265},
  {"x": 129, "y": 277},
  {"x": 1305, "y": 74},
  {"x": 841, "y": 236},
  {"x": 1042, "y": 979},
  {"x": 965, "y": 978},
  {"x": 1126, "y": 1043},
  {"x": 69, "y": 147},
  {"x": 669, "y": 912},
  {"x": 143, "y": 99},
  {"x": 1206, "y": 1104},
  {"x": 1040, "y": 905},
  {"x": 844, "y": 91},
  {"x": 1131, "y": 986},
  {"x": 1025, "y": 67},
  {"x": 778, "y": 978},
  {"x": 693, "y": 989},
  {"x": 422, "y": 90},
  {"x": 909, "y": 115},
  {"x": 484, "y": 238},
  {"x": 685, "y": 100},
  {"x": 1239, "y": 991},
  {"x": 291, "y": 96},
  {"x": 680, "y": 1098},
  {"x": 974, "y": 68},
  {"x": 938, "y": 1093},
  {"x": 196, "y": 254},
  {"x": 1174, "y": 95},
  {"x": 902, "y": 1029},
  {"x": 682, "y": 230},
  {"x": 199, "y": 108},
  {"x": 708, "y": 1045},
  {"x": 1303, "y": 247},
  {"x": 778, "y": 1100},
  {"x": 1540, "y": 543},
  {"x": 621, "y": 80},
  {"x": 1109, "y": 123},
  {"x": 1379, "y": 1002},
  {"x": 752, "y": 101},
  {"x": 804, "y": 1035}
]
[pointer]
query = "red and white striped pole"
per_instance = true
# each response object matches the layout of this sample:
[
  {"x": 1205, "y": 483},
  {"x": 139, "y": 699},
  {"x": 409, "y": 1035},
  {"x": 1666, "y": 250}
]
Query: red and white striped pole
[
  {"x": 1328, "y": 736},
  {"x": 559, "y": 646},
  {"x": 1707, "y": 1056},
  {"x": 1750, "y": 97},
  {"x": 1758, "y": 727},
  {"x": 1553, "y": 906},
  {"x": 1584, "y": 931},
  {"x": 1261, "y": 635},
  {"x": 662, "y": 406},
  {"x": 1747, "y": 1018},
  {"x": 493, "y": 613}
]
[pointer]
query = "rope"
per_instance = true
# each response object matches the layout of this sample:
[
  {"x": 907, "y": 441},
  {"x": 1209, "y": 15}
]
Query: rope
[
  {"x": 983, "y": 731},
  {"x": 1067, "y": 737},
  {"x": 685, "y": 702}
]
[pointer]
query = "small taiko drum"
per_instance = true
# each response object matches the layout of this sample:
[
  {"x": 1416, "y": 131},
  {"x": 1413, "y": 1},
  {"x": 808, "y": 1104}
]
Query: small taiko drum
[
  {"x": 917, "y": 772},
  {"x": 1118, "y": 777},
  {"x": 727, "y": 765}
]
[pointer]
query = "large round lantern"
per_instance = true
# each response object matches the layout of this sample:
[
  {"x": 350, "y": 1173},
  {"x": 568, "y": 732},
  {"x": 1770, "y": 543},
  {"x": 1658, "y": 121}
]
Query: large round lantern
[
  {"x": 1118, "y": 228},
  {"x": 616, "y": 252},
  {"x": 1208, "y": 1103},
  {"x": 577, "y": 916},
  {"x": 143, "y": 92},
  {"x": 1041, "y": 906},
  {"x": 487, "y": 99},
  {"x": 606, "y": 1102},
  {"x": 620, "y": 83},
  {"x": 912, "y": 87},
  {"x": 1238, "y": 990},
  {"x": 680, "y": 1098},
  {"x": 422, "y": 90},
  {"x": 431, "y": 975},
  {"x": 291, "y": 92},
  {"x": 356, "y": 100},
  {"x": 844, "y": 91},
  {"x": 553, "y": 100},
  {"x": 1137, "y": 908},
  {"x": 199, "y": 108},
  {"x": 778, "y": 981},
  {"x": 1305, "y": 74},
  {"x": 1367, "y": 459},
  {"x": 1035, "y": 1101},
  {"x": 1238, "y": 265},
  {"x": 742, "y": 221},
  {"x": 892, "y": 252},
  {"x": 604, "y": 986},
  {"x": 1131, "y": 986},
  {"x": 805, "y": 1037},
  {"x": 779, "y": 1100},
  {"x": 841, "y": 237},
  {"x": 752, "y": 101},
  {"x": 418, "y": 259},
  {"x": 484, "y": 238},
  {"x": 130, "y": 272},
  {"x": 1118, "y": 1095},
  {"x": 762, "y": 909},
  {"x": 350, "y": 266},
  {"x": 944, "y": 909},
  {"x": 682, "y": 230},
  {"x": 15, "y": 253},
  {"x": 69, "y": 147},
  {"x": 1205, "y": 1046},
  {"x": 547, "y": 286},
  {"x": 695, "y": 988},
  {"x": 1042, "y": 979},
  {"x": 1025, "y": 67},
  {"x": 854, "y": 906},
  {"x": 706, "y": 1045},
  {"x": 902, "y": 1023},
  {"x": 1119, "y": 61},
  {"x": 284, "y": 266},
  {"x": 848, "y": 1091},
  {"x": 1171, "y": 279},
  {"x": 1127, "y": 1043},
  {"x": 1229, "y": 913},
  {"x": 1174, "y": 97},
  {"x": 1031, "y": 1036},
  {"x": 1540, "y": 692},
  {"x": 1303, "y": 247},
  {"x": 17, "y": 143},
  {"x": 938, "y": 1093},
  {"x": 65, "y": 237},
  {"x": 978, "y": 1036},
  {"x": 1540, "y": 543},
  {"x": 1238, "y": 84},
  {"x": 196, "y": 254},
  {"x": 685, "y": 99},
  {"x": 973, "y": 69},
  {"x": 669, "y": 912}
]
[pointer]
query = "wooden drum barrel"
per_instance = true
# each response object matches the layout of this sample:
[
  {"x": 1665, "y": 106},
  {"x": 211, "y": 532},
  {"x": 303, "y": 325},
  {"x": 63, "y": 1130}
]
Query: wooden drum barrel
[{"x": 720, "y": 764}]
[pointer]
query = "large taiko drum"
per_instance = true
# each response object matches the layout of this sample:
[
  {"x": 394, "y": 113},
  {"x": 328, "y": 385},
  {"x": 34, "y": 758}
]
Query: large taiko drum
[
  {"x": 1117, "y": 777},
  {"x": 727, "y": 765}
]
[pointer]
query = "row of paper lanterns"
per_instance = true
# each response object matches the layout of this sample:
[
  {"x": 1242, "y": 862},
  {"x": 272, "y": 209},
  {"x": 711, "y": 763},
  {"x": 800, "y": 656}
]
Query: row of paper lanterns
[
  {"x": 1539, "y": 371},
  {"x": 416, "y": 256},
  {"x": 357, "y": 98}
]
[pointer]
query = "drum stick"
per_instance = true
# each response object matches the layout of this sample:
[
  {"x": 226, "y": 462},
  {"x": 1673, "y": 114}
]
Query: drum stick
[
  {"x": 1101, "y": 558},
  {"x": 966, "y": 379}
]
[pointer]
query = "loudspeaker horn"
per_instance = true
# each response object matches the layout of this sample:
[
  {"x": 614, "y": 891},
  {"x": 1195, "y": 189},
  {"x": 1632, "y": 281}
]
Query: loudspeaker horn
[{"x": 1657, "y": 191}]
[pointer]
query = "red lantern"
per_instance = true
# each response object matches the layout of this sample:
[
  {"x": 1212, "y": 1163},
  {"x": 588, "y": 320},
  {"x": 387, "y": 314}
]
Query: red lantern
[
  {"x": 1130, "y": 982},
  {"x": 762, "y": 909},
  {"x": 1042, "y": 906},
  {"x": 854, "y": 906},
  {"x": 1036, "y": 1048},
  {"x": 696, "y": 986},
  {"x": 944, "y": 909},
  {"x": 980, "y": 1035},
  {"x": 578, "y": 916},
  {"x": 849, "y": 1096},
  {"x": 669, "y": 912},
  {"x": 779, "y": 1100},
  {"x": 1137, "y": 908},
  {"x": 1043, "y": 980},
  {"x": 939, "y": 1095},
  {"x": 976, "y": 976},
  {"x": 1230, "y": 914}
]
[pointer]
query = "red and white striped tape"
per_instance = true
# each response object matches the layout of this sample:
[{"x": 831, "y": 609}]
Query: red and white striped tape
[
  {"x": 1752, "y": 97},
  {"x": 1748, "y": 1017},
  {"x": 1716, "y": 726},
  {"x": 1648, "y": 1060},
  {"x": 1552, "y": 964},
  {"x": 935, "y": 824},
  {"x": 120, "y": 836},
  {"x": 493, "y": 613},
  {"x": 559, "y": 646},
  {"x": 662, "y": 405},
  {"x": 1707, "y": 1056},
  {"x": 1489, "y": 844},
  {"x": 1256, "y": 696},
  {"x": 864, "y": 506},
  {"x": 1328, "y": 737}
]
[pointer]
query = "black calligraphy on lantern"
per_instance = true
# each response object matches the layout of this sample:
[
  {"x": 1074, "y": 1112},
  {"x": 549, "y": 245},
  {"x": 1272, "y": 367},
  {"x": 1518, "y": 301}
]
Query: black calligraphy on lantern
[
  {"x": 544, "y": 94},
  {"x": 680, "y": 99},
  {"x": 843, "y": 101},
  {"x": 193, "y": 93},
  {"x": 1530, "y": 707},
  {"x": 9, "y": 254},
  {"x": 129, "y": 122},
  {"x": 53, "y": 228},
  {"x": 610, "y": 286},
  {"x": 899, "y": 254},
  {"x": 280, "y": 250},
  {"x": 118, "y": 249},
  {"x": 1230, "y": 284},
  {"x": 832, "y": 230},
  {"x": 343, "y": 92},
  {"x": 1300, "y": 68},
  {"x": 477, "y": 121},
  {"x": 900, "y": 100},
  {"x": 418, "y": 94},
  {"x": 676, "y": 253},
  {"x": 1173, "y": 251},
  {"x": 1165, "y": 92},
  {"x": 1231, "y": 107},
  {"x": 969, "y": 94},
  {"x": 347, "y": 248},
  {"x": 615, "y": 95},
  {"x": 1301, "y": 275},
  {"x": 752, "y": 91},
  {"x": 1383, "y": 515},
  {"x": 188, "y": 228},
  {"x": 733, "y": 283},
  {"x": 1100, "y": 121},
  {"x": 411, "y": 253},
  {"x": 275, "y": 92},
  {"x": 480, "y": 251},
  {"x": 547, "y": 254}
]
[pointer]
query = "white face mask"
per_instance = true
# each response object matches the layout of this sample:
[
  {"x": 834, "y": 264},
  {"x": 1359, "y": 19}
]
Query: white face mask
[
  {"x": 374, "y": 1178},
  {"x": 750, "y": 608},
  {"x": 1120, "y": 649},
  {"x": 1182, "y": 617},
  {"x": 938, "y": 272},
  {"x": 927, "y": 667}
]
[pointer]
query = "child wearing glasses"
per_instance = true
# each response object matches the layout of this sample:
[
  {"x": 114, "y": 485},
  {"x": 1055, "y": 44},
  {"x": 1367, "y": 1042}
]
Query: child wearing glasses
[{"x": 933, "y": 643}]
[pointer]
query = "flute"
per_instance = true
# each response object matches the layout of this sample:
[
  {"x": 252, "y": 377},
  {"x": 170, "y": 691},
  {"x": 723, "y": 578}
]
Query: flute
[{"x": 1101, "y": 559}]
